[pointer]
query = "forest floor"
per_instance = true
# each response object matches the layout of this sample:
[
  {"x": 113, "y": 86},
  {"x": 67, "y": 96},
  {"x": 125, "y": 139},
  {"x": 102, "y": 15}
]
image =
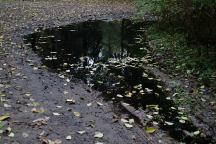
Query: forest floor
[{"x": 33, "y": 106}]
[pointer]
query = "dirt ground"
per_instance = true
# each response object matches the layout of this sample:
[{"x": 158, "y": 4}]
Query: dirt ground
[{"x": 36, "y": 99}]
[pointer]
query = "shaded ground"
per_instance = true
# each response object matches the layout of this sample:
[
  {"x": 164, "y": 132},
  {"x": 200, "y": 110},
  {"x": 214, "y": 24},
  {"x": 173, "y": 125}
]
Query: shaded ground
[{"x": 29, "y": 91}]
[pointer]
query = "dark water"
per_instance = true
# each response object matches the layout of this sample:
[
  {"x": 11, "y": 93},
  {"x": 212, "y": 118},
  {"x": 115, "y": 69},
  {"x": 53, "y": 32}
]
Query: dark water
[{"x": 111, "y": 57}]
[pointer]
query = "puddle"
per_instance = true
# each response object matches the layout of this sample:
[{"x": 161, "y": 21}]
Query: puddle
[{"x": 111, "y": 57}]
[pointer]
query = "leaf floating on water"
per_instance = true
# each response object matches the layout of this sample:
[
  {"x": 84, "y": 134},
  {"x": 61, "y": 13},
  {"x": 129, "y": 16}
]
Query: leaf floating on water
[
  {"x": 145, "y": 75},
  {"x": 138, "y": 86},
  {"x": 149, "y": 116},
  {"x": 65, "y": 64},
  {"x": 182, "y": 121},
  {"x": 98, "y": 134},
  {"x": 196, "y": 132},
  {"x": 150, "y": 130},
  {"x": 4, "y": 117},
  {"x": 120, "y": 96},
  {"x": 184, "y": 118},
  {"x": 169, "y": 123},
  {"x": 155, "y": 123},
  {"x": 148, "y": 90},
  {"x": 100, "y": 82},
  {"x": 129, "y": 94},
  {"x": 77, "y": 114},
  {"x": 159, "y": 86}
]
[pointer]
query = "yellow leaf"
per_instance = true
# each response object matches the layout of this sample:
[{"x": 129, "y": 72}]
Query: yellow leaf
[
  {"x": 150, "y": 130},
  {"x": 77, "y": 114},
  {"x": 4, "y": 117}
]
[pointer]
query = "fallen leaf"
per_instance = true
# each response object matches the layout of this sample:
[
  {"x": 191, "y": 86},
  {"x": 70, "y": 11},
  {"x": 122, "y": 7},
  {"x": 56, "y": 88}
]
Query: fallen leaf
[
  {"x": 131, "y": 121},
  {"x": 25, "y": 135},
  {"x": 68, "y": 137},
  {"x": 4, "y": 117},
  {"x": 77, "y": 114},
  {"x": 196, "y": 132},
  {"x": 128, "y": 125},
  {"x": 98, "y": 134},
  {"x": 169, "y": 123},
  {"x": 100, "y": 104},
  {"x": 41, "y": 121},
  {"x": 7, "y": 105},
  {"x": 99, "y": 143},
  {"x": 120, "y": 96},
  {"x": 11, "y": 134},
  {"x": 41, "y": 110},
  {"x": 182, "y": 121},
  {"x": 150, "y": 130},
  {"x": 71, "y": 101},
  {"x": 65, "y": 92},
  {"x": 124, "y": 120},
  {"x": 129, "y": 94},
  {"x": 89, "y": 104},
  {"x": 81, "y": 132}
]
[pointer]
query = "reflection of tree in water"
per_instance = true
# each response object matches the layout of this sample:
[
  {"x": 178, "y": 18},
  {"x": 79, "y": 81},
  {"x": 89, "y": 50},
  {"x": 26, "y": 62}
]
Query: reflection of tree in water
[
  {"x": 111, "y": 41},
  {"x": 98, "y": 40}
]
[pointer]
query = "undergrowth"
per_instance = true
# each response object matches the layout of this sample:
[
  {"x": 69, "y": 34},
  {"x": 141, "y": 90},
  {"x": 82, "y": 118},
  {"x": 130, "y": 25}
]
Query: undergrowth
[{"x": 175, "y": 55}]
